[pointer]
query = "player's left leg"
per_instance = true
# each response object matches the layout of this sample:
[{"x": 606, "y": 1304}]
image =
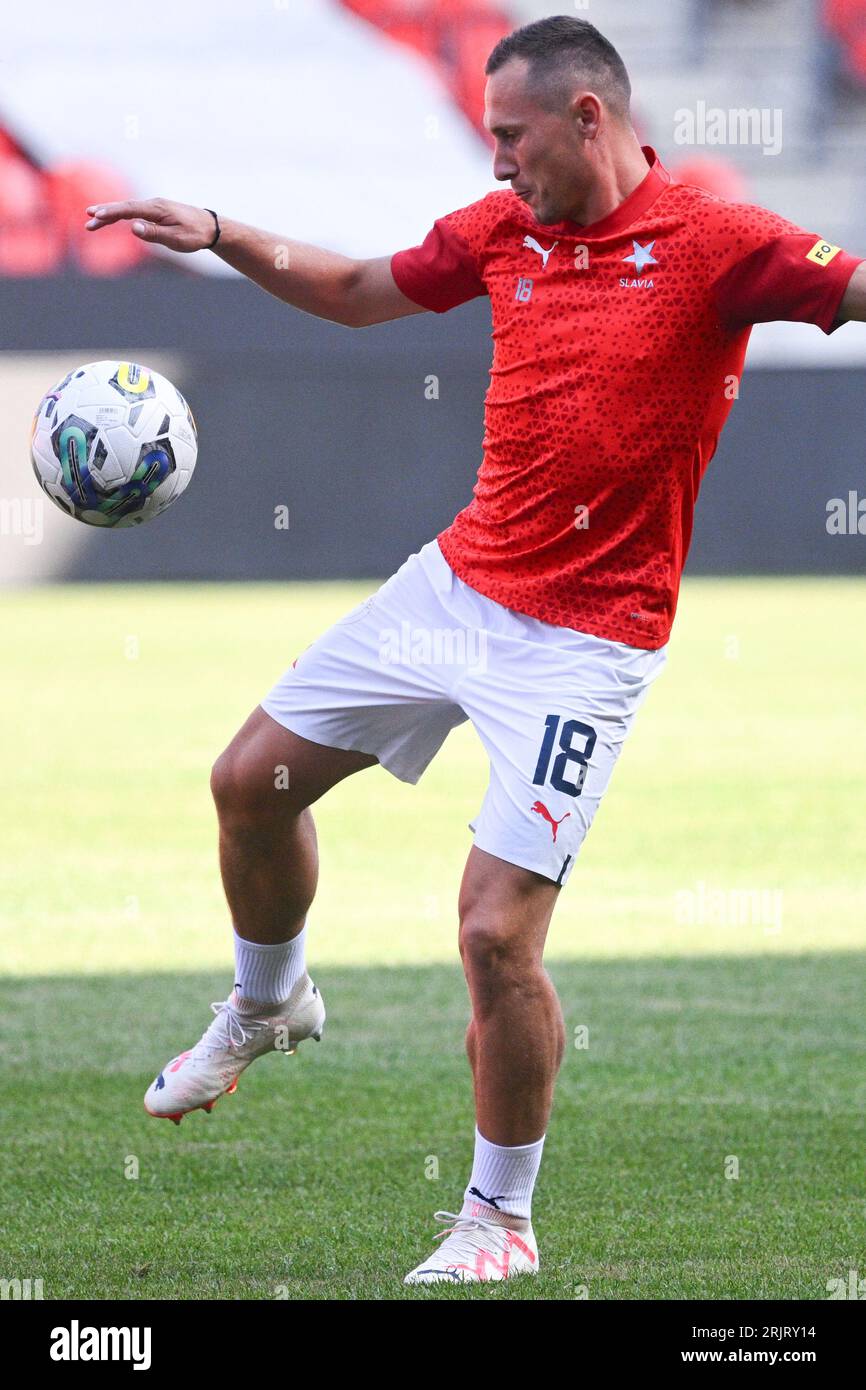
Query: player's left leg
[
  {"x": 516, "y": 1036},
  {"x": 515, "y": 1042},
  {"x": 553, "y": 708}
]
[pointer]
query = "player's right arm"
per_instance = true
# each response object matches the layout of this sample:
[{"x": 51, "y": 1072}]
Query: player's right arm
[{"x": 356, "y": 293}]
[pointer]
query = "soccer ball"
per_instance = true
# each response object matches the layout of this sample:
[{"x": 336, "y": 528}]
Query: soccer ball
[{"x": 113, "y": 444}]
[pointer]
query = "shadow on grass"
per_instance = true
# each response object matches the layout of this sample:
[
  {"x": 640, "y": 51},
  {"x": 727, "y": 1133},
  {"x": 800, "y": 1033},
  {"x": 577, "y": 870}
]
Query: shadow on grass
[{"x": 706, "y": 1140}]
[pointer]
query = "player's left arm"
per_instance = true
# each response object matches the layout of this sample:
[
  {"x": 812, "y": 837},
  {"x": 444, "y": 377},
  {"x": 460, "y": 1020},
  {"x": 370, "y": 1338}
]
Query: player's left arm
[
  {"x": 853, "y": 305},
  {"x": 768, "y": 268}
]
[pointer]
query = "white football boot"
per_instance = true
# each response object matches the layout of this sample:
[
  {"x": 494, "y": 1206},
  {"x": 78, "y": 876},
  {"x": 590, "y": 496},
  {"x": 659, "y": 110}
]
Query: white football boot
[
  {"x": 476, "y": 1249},
  {"x": 196, "y": 1079}
]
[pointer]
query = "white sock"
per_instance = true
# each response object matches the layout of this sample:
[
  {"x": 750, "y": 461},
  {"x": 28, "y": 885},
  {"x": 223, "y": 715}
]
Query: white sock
[
  {"x": 269, "y": 973},
  {"x": 503, "y": 1178}
]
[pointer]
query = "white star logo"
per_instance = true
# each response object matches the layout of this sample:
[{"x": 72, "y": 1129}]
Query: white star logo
[{"x": 642, "y": 257}]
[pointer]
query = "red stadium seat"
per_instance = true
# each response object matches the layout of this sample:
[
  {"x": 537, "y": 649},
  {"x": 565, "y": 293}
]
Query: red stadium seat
[
  {"x": 473, "y": 42},
  {"x": 31, "y": 243},
  {"x": 455, "y": 35},
  {"x": 42, "y": 217},
  {"x": 846, "y": 19},
  {"x": 70, "y": 188},
  {"x": 715, "y": 175}
]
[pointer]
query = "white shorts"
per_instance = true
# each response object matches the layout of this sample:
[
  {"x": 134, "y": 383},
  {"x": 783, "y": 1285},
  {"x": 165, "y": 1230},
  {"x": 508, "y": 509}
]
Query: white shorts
[{"x": 426, "y": 652}]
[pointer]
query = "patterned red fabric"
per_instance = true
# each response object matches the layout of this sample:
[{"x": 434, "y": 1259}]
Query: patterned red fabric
[{"x": 615, "y": 364}]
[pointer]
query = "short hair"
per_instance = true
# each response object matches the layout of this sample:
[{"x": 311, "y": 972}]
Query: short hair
[{"x": 557, "y": 50}]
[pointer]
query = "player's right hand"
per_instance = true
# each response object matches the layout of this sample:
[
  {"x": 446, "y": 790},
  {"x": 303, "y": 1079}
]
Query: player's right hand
[{"x": 178, "y": 226}]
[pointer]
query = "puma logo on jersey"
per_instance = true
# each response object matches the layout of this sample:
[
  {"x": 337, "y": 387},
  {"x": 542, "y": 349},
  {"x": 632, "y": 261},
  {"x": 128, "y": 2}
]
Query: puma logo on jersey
[{"x": 532, "y": 245}]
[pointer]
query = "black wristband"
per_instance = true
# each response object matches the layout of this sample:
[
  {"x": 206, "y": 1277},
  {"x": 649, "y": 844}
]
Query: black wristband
[{"x": 218, "y": 228}]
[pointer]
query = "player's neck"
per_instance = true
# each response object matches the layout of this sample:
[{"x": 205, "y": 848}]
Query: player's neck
[{"x": 620, "y": 169}]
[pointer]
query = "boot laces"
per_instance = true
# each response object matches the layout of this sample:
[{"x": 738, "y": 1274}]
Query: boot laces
[
  {"x": 458, "y": 1232},
  {"x": 229, "y": 1030}
]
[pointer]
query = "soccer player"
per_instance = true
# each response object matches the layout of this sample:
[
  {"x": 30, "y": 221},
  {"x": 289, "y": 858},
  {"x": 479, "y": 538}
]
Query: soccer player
[{"x": 622, "y": 303}]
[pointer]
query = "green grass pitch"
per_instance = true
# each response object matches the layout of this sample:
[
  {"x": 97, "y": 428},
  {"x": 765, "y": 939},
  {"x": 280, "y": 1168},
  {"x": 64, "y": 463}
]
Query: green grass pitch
[{"x": 707, "y": 1142}]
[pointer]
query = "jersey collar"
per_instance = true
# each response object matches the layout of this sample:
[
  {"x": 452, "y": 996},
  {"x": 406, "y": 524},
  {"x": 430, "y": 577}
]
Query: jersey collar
[{"x": 634, "y": 206}]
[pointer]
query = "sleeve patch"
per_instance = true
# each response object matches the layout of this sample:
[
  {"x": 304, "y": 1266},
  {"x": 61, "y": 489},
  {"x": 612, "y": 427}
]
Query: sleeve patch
[
  {"x": 822, "y": 253},
  {"x": 780, "y": 280}
]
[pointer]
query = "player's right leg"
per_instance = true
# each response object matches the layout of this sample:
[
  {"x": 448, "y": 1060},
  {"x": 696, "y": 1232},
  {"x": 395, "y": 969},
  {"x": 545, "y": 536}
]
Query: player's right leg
[
  {"x": 355, "y": 697},
  {"x": 263, "y": 785}
]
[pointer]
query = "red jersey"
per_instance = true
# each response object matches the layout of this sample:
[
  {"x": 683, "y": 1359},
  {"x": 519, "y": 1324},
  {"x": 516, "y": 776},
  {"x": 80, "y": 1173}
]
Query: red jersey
[{"x": 617, "y": 352}]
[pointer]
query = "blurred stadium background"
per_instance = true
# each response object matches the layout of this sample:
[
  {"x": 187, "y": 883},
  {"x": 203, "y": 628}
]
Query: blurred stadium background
[
  {"x": 712, "y": 939},
  {"x": 353, "y": 126}
]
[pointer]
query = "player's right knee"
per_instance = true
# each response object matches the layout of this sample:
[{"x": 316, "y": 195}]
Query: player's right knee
[
  {"x": 246, "y": 787},
  {"x": 226, "y": 783}
]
